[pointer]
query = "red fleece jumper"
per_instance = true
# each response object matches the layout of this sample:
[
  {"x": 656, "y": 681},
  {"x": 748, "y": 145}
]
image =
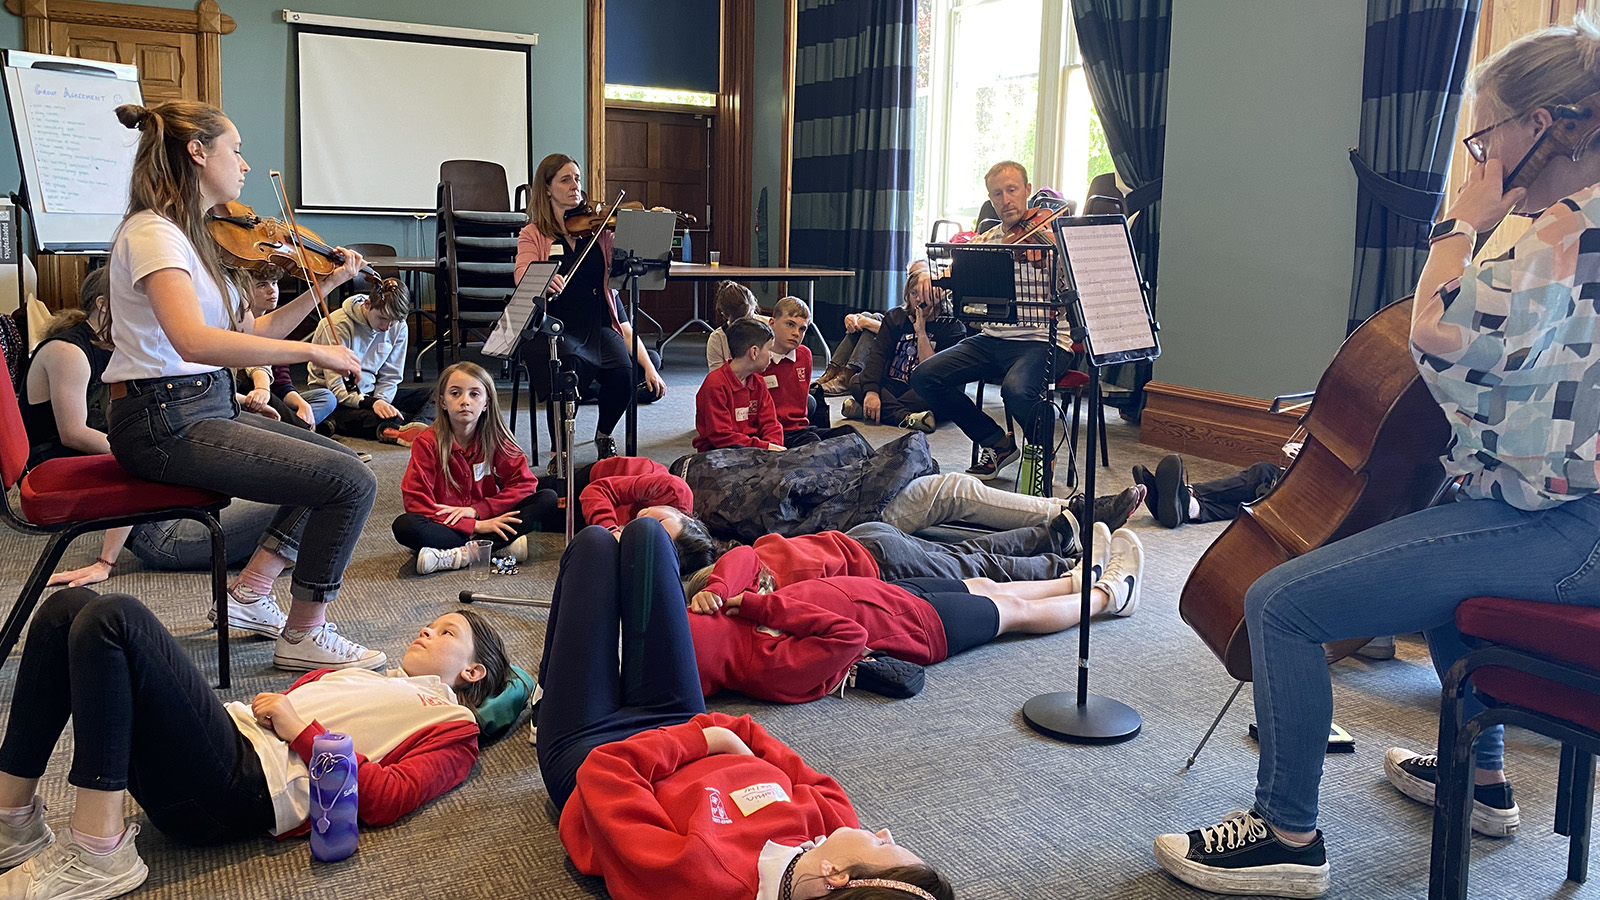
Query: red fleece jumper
[
  {"x": 791, "y": 560},
  {"x": 489, "y": 490},
  {"x": 789, "y": 382},
  {"x": 661, "y": 820},
  {"x": 775, "y": 648},
  {"x": 733, "y": 413},
  {"x": 621, "y": 486},
  {"x": 897, "y": 621}
]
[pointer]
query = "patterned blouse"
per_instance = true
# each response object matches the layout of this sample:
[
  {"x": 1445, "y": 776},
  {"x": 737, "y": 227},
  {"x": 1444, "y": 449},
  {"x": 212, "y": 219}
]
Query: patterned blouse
[{"x": 1522, "y": 393}]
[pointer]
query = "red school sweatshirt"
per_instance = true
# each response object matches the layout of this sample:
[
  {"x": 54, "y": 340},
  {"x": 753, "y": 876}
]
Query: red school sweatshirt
[
  {"x": 791, "y": 560},
  {"x": 489, "y": 490},
  {"x": 897, "y": 621},
  {"x": 659, "y": 819},
  {"x": 789, "y": 382},
  {"x": 775, "y": 648},
  {"x": 733, "y": 413},
  {"x": 621, "y": 486}
]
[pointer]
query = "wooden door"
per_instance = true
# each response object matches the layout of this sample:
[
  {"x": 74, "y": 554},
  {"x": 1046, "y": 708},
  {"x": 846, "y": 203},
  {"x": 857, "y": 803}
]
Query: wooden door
[
  {"x": 179, "y": 56},
  {"x": 663, "y": 158}
]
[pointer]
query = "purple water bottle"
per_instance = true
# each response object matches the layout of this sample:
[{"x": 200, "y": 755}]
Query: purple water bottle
[{"x": 333, "y": 797}]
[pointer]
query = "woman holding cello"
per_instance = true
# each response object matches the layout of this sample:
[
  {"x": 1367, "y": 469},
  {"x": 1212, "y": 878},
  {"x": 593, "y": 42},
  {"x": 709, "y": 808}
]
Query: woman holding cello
[
  {"x": 598, "y": 333},
  {"x": 179, "y": 328},
  {"x": 1503, "y": 345}
]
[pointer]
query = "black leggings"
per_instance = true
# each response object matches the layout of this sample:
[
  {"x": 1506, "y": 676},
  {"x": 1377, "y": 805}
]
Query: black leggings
[
  {"x": 968, "y": 619},
  {"x": 608, "y": 587},
  {"x": 415, "y": 531},
  {"x": 143, "y": 719}
]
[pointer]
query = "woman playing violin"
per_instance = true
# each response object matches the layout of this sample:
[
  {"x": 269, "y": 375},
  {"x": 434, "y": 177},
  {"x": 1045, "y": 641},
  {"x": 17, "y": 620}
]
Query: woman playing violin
[
  {"x": 1507, "y": 346},
  {"x": 179, "y": 326},
  {"x": 598, "y": 333}
]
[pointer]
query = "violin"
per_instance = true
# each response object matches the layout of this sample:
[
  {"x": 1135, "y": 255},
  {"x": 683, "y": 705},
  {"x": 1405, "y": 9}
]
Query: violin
[
  {"x": 1033, "y": 228},
  {"x": 254, "y": 244},
  {"x": 586, "y": 218}
]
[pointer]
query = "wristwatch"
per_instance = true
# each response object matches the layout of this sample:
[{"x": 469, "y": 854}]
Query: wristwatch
[{"x": 1452, "y": 226}]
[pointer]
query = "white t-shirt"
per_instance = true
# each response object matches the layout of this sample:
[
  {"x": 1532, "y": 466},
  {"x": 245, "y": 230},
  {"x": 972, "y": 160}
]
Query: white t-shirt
[{"x": 147, "y": 243}]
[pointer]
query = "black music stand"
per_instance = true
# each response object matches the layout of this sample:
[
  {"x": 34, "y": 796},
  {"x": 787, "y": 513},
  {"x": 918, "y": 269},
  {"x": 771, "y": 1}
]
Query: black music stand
[
  {"x": 523, "y": 320},
  {"x": 1091, "y": 274},
  {"x": 640, "y": 256}
]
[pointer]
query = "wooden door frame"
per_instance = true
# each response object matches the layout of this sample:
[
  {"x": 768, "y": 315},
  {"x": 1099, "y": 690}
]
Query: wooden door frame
[
  {"x": 733, "y": 139},
  {"x": 206, "y": 22}
]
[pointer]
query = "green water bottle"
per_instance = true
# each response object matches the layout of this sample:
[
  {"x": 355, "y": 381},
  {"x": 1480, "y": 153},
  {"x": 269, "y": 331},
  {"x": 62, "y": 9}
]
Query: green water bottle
[{"x": 1031, "y": 481}]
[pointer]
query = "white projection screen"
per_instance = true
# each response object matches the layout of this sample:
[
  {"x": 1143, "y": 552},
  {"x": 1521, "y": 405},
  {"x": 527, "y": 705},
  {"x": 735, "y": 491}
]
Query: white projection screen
[{"x": 379, "y": 113}]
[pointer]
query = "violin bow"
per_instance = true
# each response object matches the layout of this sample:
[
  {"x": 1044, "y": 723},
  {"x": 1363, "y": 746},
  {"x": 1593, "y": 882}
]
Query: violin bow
[
  {"x": 1038, "y": 225},
  {"x": 294, "y": 241},
  {"x": 278, "y": 190}
]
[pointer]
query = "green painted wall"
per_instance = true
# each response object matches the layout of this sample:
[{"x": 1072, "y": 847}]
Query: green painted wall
[
  {"x": 1258, "y": 211},
  {"x": 258, "y": 93}
]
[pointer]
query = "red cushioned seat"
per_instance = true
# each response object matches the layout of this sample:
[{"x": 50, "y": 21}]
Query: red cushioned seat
[
  {"x": 1559, "y": 631},
  {"x": 76, "y": 488}
]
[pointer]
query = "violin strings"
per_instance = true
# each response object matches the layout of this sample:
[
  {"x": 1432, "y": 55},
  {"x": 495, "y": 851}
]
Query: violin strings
[{"x": 295, "y": 240}]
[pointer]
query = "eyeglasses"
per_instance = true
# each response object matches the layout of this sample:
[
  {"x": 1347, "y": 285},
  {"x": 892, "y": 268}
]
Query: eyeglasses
[{"x": 1474, "y": 141}]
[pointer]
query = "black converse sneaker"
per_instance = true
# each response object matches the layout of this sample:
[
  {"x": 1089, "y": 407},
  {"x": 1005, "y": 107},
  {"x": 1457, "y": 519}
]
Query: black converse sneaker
[
  {"x": 1241, "y": 855},
  {"x": 1494, "y": 812}
]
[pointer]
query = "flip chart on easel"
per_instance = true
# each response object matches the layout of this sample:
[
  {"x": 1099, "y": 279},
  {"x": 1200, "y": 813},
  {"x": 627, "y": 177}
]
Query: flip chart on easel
[{"x": 76, "y": 157}]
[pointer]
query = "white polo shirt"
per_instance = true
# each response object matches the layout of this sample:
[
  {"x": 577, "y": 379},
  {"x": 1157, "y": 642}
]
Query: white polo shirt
[{"x": 148, "y": 243}]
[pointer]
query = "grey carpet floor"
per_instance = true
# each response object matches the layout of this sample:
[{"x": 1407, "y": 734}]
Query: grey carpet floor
[{"x": 954, "y": 772}]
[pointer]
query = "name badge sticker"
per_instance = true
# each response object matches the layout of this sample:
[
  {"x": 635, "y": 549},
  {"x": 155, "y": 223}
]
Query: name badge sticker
[
  {"x": 772, "y": 381},
  {"x": 756, "y": 796},
  {"x": 741, "y": 414},
  {"x": 480, "y": 471}
]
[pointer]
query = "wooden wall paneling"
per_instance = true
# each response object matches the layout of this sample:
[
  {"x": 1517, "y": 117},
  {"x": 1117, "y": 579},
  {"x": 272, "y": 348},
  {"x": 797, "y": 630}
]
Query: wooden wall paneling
[
  {"x": 786, "y": 162},
  {"x": 1226, "y": 427},
  {"x": 595, "y": 101},
  {"x": 733, "y": 140}
]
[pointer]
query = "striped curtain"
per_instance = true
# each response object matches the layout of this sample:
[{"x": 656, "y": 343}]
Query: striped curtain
[
  {"x": 1417, "y": 55},
  {"x": 855, "y": 69},
  {"x": 1125, "y": 46}
]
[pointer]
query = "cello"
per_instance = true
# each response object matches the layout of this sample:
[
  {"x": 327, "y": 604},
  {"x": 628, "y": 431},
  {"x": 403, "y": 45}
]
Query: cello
[{"x": 1373, "y": 440}]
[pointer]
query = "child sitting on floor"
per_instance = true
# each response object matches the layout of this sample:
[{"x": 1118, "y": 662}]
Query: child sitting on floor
[
  {"x": 788, "y": 376},
  {"x": 468, "y": 479},
  {"x": 272, "y": 387},
  {"x": 733, "y": 407},
  {"x": 733, "y": 301},
  {"x": 376, "y": 407}
]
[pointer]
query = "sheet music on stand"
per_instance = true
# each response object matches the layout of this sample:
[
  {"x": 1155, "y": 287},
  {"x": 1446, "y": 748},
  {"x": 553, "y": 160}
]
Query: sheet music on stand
[
  {"x": 518, "y": 316},
  {"x": 1102, "y": 275}
]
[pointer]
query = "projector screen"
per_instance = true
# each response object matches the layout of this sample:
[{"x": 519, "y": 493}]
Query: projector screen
[{"x": 379, "y": 113}]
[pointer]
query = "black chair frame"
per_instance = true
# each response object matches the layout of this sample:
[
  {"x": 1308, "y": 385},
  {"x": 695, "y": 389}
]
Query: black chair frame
[
  {"x": 1452, "y": 814},
  {"x": 61, "y": 536}
]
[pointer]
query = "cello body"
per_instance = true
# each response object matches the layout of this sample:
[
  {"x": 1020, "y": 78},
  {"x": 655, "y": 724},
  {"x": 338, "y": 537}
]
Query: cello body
[{"x": 1374, "y": 436}]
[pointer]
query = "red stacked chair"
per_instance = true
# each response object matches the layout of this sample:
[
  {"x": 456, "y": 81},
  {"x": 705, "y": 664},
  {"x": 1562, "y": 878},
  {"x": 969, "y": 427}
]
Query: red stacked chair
[
  {"x": 64, "y": 498},
  {"x": 1536, "y": 666}
]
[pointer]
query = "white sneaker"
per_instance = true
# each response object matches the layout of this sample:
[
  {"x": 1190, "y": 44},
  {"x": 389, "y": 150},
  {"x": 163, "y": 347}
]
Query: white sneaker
[
  {"x": 1102, "y": 555},
  {"x": 67, "y": 871},
  {"x": 517, "y": 549},
  {"x": 1123, "y": 573},
  {"x": 324, "y": 648},
  {"x": 249, "y": 611},
  {"x": 20, "y": 843},
  {"x": 430, "y": 560}
]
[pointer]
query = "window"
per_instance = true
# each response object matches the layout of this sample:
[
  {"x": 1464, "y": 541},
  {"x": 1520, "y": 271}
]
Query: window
[{"x": 999, "y": 79}]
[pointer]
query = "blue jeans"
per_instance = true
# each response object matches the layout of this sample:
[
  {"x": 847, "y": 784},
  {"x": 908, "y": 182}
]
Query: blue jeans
[
  {"x": 184, "y": 545},
  {"x": 1018, "y": 366},
  {"x": 1408, "y": 574},
  {"x": 187, "y": 430},
  {"x": 608, "y": 587},
  {"x": 322, "y": 403}
]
